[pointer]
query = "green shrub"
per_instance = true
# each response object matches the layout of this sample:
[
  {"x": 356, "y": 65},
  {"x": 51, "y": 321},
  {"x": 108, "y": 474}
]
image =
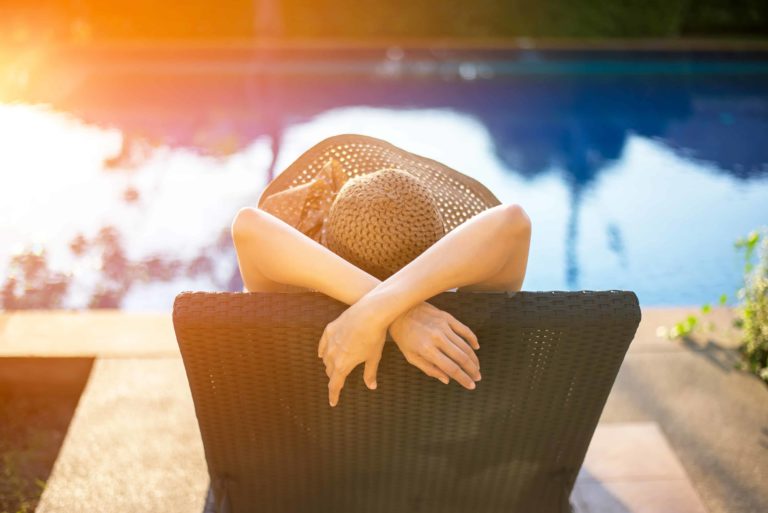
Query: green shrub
[
  {"x": 754, "y": 315},
  {"x": 751, "y": 311}
]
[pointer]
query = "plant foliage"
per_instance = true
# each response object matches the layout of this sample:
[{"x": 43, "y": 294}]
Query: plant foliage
[
  {"x": 754, "y": 295},
  {"x": 752, "y": 309}
]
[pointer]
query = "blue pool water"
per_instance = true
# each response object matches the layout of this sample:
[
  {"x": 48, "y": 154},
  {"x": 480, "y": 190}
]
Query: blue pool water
[{"x": 639, "y": 171}]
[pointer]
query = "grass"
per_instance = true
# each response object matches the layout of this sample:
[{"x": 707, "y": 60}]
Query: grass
[
  {"x": 30, "y": 435},
  {"x": 35, "y": 413}
]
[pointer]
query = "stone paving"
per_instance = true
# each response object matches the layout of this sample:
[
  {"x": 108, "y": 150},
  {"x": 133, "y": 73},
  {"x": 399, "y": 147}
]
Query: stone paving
[
  {"x": 682, "y": 431},
  {"x": 133, "y": 444},
  {"x": 631, "y": 468}
]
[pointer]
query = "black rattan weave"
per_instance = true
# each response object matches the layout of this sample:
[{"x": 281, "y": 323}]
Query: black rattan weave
[{"x": 515, "y": 444}]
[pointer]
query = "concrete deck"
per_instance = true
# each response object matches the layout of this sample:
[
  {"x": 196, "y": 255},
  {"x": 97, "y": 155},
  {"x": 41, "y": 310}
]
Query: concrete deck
[
  {"x": 682, "y": 431},
  {"x": 133, "y": 444}
]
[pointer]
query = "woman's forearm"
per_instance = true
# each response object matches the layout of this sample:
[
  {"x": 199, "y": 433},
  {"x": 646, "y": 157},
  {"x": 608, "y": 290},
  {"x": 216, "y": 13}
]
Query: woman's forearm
[
  {"x": 271, "y": 253},
  {"x": 476, "y": 250},
  {"x": 271, "y": 248},
  {"x": 471, "y": 253}
]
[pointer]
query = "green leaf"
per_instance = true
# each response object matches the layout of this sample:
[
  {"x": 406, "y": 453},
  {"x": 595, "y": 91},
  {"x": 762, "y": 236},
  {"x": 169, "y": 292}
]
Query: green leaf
[
  {"x": 705, "y": 308},
  {"x": 749, "y": 241},
  {"x": 723, "y": 298}
]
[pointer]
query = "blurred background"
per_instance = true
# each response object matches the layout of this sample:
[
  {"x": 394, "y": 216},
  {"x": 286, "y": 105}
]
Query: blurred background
[
  {"x": 91, "y": 20},
  {"x": 634, "y": 133}
]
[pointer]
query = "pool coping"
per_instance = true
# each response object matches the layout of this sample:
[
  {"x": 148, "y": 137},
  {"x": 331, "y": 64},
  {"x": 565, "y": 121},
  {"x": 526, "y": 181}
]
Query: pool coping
[
  {"x": 449, "y": 43},
  {"x": 389, "y": 59},
  {"x": 119, "y": 334}
]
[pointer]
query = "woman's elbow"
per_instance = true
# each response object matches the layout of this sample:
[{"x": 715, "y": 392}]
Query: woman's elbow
[
  {"x": 245, "y": 223},
  {"x": 516, "y": 219}
]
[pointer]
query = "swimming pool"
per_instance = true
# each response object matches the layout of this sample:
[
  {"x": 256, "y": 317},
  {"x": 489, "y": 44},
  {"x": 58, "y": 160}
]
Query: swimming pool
[{"x": 118, "y": 183}]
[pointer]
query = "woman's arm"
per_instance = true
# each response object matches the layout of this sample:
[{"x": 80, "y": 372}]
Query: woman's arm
[
  {"x": 270, "y": 249},
  {"x": 494, "y": 243},
  {"x": 273, "y": 255},
  {"x": 490, "y": 248}
]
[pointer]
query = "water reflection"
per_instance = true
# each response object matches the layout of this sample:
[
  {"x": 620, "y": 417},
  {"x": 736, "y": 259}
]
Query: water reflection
[
  {"x": 577, "y": 124},
  {"x": 176, "y": 155},
  {"x": 87, "y": 224},
  {"x": 31, "y": 283}
]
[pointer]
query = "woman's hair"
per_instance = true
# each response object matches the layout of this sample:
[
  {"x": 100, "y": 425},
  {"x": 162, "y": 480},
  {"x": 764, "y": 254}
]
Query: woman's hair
[{"x": 382, "y": 220}]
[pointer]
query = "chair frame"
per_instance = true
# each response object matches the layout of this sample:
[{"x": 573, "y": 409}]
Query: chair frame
[{"x": 516, "y": 443}]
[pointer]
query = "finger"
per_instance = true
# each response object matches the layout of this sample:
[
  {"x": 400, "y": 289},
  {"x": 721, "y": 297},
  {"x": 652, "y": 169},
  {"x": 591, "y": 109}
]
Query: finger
[
  {"x": 322, "y": 345},
  {"x": 441, "y": 361},
  {"x": 335, "y": 385},
  {"x": 467, "y": 364},
  {"x": 329, "y": 365},
  {"x": 429, "y": 369},
  {"x": 371, "y": 369},
  {"x": 464, "y": 346},
  {"x": 463, "y": 330}
]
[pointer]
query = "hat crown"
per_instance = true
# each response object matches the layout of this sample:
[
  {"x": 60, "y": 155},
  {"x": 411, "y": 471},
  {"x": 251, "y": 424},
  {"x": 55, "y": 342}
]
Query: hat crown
[
  {"x": 303, "y": 194},
  {"x": 382, "y": 220}
]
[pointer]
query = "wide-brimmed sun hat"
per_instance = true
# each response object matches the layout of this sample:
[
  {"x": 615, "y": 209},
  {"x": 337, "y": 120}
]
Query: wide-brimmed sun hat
[{"x": 376, "y": 205}]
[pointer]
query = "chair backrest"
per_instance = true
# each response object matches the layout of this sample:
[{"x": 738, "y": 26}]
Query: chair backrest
[{"x": 515, "y": 443}]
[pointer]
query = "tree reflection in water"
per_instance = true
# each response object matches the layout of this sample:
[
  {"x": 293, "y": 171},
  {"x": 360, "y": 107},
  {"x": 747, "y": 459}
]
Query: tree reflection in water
[{"x": 31, "y": 283}]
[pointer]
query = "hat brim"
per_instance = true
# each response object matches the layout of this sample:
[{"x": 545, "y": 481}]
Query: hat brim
[{"x": 459, "y": 196}]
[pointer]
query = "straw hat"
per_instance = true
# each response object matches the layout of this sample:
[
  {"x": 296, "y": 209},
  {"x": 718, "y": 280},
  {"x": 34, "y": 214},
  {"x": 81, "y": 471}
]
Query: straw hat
[{"x": 372, "y": 203}]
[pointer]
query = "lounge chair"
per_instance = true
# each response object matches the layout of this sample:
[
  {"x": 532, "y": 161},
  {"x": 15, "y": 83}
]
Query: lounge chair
[{"x": 514, "y": 444}]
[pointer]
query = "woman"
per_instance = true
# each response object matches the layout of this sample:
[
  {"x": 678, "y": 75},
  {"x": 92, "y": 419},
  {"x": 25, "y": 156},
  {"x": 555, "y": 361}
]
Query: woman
[{"x": 383, "y": 230}]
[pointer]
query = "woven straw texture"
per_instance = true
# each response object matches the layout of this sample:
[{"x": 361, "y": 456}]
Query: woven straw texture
[
  {"x": 381, "y": 221},
  {"x": 514, "y": 444},
  {"x": 459, "y": 197}
]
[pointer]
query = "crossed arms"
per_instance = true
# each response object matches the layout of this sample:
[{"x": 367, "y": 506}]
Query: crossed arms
[{"x": 489, "y": 252}]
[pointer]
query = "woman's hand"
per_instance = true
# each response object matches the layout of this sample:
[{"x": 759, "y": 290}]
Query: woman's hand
[
  {"x": 351, "y": 339},
  {"x": 429, "y": 338},
  {"x": 438, "y": 344}
]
